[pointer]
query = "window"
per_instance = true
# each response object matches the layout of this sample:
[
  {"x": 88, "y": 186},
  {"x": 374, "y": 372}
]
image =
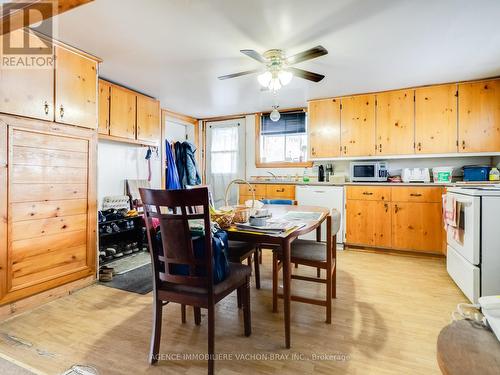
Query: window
[
  {"x": 224, "y": 150},
  {"x": 283, "y": 142}
]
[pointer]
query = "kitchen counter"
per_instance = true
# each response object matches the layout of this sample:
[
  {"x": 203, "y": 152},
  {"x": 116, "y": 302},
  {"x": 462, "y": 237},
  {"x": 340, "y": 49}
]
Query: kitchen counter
[{"x": 316, "y": 183}]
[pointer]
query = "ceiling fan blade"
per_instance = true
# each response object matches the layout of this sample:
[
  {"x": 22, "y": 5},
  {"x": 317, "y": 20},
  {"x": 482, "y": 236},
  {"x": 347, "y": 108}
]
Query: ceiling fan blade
[
  {"x": 254, "y": 55},
  {"x": 307, "y": 55},
  {"x": 306, "y": 74},
  {"x": 234, "y": 75}
]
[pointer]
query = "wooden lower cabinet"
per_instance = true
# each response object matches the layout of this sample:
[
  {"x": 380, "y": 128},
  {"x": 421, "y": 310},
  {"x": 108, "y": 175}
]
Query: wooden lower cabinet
[
  {"x": 417, "y": 226},
  {"x": 51, "y": 216},
  {"x": 266, "y": 191},
  {"x": 400, "y": 218},
  {"x": 368, "y": 223}
]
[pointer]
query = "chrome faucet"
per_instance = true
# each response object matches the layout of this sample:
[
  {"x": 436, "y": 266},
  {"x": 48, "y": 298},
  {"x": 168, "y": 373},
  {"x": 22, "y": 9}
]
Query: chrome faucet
[{"x": 272, "y": 174}]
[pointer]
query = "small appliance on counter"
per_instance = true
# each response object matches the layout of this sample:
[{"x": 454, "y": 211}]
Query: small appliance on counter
[
  {"x": 328, "y": 172},
  {"x": 476, "y": 172},
  {"x": 416, "y": 175},
  {"x": 369, "y": 171},
  {"x": 321, "y": 173}
]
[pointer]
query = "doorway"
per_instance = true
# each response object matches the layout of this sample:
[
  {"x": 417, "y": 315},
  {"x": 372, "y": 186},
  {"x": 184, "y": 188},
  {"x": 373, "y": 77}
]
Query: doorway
[{"x": 226, "y": 157}]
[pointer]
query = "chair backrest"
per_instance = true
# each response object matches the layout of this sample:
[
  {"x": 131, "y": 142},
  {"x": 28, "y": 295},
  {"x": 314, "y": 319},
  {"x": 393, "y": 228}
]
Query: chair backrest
[
  {"x": 279, "y": 201},
  {"x": 132, "y": 187},
  {"x": 335, "y": 221},
  {"x": 173, "y": 209}
]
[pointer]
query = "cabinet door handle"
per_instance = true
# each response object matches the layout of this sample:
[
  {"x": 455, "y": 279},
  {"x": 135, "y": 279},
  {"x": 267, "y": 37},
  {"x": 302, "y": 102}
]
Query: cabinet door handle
[
  {"x": 312, "y": 151},
  {"x": 61, "y": 111},
  {"x": 46, "y": 108},
  {"x": 396, "y": 208},
  {"x": 386, "y": 207},
  {"x": 419, "y": 146},
  {"x": 380, "y": 147},
  {"x": 463, "y": 145},
  {"x": 345, "y": 149},
  {"x": 367, "y": 193},
  {"x": 415, "y": 195},
  {"x": 282, "y": 190}
]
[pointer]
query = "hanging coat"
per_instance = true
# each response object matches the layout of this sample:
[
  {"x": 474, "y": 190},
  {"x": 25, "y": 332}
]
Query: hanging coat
[
  {"x": 172, "y": 180},
  {"x": 190, "y": 174}
]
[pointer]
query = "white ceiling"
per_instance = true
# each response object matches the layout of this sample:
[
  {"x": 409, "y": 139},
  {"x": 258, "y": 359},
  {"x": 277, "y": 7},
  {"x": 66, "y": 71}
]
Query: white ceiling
[{"x": 174, "y": 50}]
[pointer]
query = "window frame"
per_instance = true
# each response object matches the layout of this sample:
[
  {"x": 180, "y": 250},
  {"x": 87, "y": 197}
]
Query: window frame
[{"x": 281, "y": 164}]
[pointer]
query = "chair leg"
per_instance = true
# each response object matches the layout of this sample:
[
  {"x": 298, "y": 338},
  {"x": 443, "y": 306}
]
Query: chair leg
[
  {"x": 296, "y": 265},
  {"x": 197, "y": 315},
  {"x": 334, "y": 282},
  {"x": 238, "y": 298},
  {"x": 156, "y": 334},
  {"x": 257, "y": 269},
  {"x": 275, "y": 282},
  {"x": 329, "y": 296},
  {"x": 211, "y": 339},
  {"x": 247, "y": 317},
  {"x": 260, "y": 255},
  {"x": 318, "y": 272},
  {"x": 183, "y": 314}
]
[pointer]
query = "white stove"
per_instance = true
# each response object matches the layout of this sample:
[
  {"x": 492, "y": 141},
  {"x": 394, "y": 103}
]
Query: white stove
[{"x": 473, "y": 259}]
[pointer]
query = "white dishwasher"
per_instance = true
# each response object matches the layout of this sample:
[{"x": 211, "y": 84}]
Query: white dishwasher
[{"x": 323, "y": 196}]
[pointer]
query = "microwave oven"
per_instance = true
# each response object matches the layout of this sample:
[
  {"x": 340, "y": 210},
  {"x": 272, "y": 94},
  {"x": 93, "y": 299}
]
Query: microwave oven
[{"x": 369, "y": 171}]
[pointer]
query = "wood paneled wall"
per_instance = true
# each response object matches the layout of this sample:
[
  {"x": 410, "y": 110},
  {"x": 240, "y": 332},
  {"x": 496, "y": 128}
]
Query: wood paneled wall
[{"x": 51, "y": 188}]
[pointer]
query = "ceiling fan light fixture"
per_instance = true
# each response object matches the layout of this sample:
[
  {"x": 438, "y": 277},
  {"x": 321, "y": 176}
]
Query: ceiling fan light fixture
[
  {"x": 265, "y": 78},
  {"x": 285, "y": 77},
  {"x": 275, "y": 84}
]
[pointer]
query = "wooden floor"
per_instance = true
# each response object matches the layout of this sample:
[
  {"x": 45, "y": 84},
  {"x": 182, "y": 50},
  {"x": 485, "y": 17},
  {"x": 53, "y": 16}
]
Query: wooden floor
[{"x": 386, "y": 320}]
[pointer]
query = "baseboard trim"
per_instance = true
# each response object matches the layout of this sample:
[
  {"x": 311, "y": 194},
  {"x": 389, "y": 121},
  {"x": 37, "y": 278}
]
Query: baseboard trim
[{"x": 16, "y": 308}]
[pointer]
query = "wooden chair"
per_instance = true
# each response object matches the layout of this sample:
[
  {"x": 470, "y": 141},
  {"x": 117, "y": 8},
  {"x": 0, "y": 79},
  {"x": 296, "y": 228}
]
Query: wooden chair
[
  {"x": 314, "y": 254},
  {"x": 173, "y": 210},
  {"x": 132, "y": 190}
]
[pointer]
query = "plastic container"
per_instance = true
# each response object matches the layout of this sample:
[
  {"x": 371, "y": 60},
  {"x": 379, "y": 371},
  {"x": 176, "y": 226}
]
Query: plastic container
[
  {"x": 476, "y": 172},
  {"x": 442, "y": 174},
  {"x": 494, "y": 174}
]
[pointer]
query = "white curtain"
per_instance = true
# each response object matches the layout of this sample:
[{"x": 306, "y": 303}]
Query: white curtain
[{"x": 225, "y": 158}]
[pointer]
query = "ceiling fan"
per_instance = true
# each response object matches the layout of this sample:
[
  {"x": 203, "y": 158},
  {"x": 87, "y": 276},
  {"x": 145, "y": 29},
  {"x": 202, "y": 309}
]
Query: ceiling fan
[{"x": 278, "y": 70}]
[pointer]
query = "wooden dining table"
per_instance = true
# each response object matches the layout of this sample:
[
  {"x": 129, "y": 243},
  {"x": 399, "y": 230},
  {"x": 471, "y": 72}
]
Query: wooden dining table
[{"x": 284, "y": 240}]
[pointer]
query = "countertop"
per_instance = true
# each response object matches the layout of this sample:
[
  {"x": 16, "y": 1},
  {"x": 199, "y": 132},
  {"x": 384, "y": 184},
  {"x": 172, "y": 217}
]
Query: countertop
[{"x": 316, "y": 183}]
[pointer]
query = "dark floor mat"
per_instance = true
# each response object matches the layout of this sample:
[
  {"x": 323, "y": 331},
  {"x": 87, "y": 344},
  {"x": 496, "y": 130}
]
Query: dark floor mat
[{"x": 139, "y": 280}]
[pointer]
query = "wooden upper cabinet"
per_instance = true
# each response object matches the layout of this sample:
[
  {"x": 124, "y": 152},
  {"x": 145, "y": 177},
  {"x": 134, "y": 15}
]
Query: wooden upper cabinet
[
  {"x": 324, "y": 128},
  {"x": 76, "y": 89},
  {"x": 479, "y": 116},
  {"x": 148, "y": 119},
  {"x": 27, "y": 92},
  {"x": 358, "y": 125},
  {"x": 122, "y": 117},
  {"x": 436, "y": 119},
  {"x": 395, "y": 122},
  {"x": 104, "y": 101}
]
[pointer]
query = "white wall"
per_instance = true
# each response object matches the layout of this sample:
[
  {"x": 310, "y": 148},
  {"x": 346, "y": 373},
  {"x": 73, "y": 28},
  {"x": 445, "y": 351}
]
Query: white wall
[
  {"x": 119, "y": 161},
  {"x": 342, "y": 166}
]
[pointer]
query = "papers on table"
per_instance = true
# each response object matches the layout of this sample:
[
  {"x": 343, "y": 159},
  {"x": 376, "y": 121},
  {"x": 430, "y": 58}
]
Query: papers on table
[
  {"x": 301, "y": 215},
  {"x": 276, "y": 226}
]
